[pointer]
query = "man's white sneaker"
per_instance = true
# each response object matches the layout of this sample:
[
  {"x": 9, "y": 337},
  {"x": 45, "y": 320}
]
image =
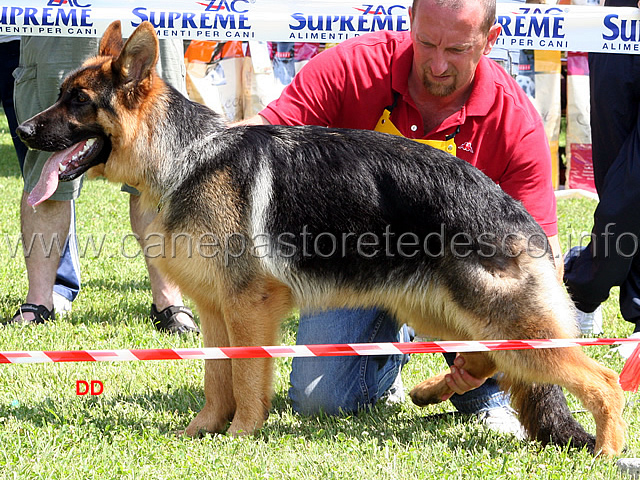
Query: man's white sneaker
[
  {"x": 629, "y": 466},
  {"x": 503, "y": 420},
  {"x": 61, "y": 304},
  {"x": 590, "y": 323},
  {"x": 395, "y": 394},
  {"x": 626, "y": 349}
]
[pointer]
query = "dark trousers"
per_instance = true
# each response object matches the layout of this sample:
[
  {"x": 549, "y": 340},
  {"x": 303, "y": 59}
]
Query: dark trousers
[
  {"x": 9, "y": 56},
  {"x": 613, "y": 255}
]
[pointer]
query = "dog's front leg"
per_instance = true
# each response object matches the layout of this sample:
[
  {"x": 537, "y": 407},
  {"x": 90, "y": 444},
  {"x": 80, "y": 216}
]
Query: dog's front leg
[
  {"x": 435, "y": 389},
  {"x": 219, "y": 400},
  {"x": 252, "y": 379},
  {"x": 253, "y": 318}
]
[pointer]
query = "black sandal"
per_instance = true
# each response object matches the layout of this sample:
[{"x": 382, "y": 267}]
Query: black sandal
[
  {"x": 42, "y": 314},
  {"x": 166, "y": 321}
]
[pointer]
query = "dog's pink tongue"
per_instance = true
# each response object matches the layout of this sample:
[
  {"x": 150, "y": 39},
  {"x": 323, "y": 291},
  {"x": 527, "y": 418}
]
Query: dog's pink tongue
[{"x": 48, "y": 181}]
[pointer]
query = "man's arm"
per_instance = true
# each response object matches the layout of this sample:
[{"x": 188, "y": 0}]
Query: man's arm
[{"x": 255, "y": 120}]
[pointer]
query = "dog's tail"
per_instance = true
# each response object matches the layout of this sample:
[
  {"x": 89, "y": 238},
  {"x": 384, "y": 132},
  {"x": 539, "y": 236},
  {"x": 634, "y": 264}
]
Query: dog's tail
[{"x": 544, "y": 414}]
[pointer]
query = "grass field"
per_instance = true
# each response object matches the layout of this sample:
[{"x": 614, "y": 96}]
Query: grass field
[{"x": 48, "y": 432}]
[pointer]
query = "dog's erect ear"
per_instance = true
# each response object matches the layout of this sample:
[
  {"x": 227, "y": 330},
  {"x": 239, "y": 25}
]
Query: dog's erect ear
[
  {"x": 111, "y": 42},
  {"x": 139, "y": 55}
]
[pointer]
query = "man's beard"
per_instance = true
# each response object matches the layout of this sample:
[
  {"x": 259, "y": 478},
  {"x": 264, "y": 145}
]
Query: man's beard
[{"x": 439, "y": 89}]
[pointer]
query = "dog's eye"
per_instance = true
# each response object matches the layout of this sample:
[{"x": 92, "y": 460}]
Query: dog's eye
[{"x": 82, "y": 97}]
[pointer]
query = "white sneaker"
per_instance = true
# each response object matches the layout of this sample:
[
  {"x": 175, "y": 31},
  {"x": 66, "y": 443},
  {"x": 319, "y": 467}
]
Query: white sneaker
[
  {"x": 590, "y": 323},
  {"x": 61, "y": 304},
  {"x": 626, "y": 349},
  {"x": 503, "y": 420},
  {"x": 395, "y": 394},
  {"x": 629, "y": 466}
]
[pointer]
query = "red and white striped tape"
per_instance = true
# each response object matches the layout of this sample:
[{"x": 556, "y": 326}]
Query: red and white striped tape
[
  {"x": 329, "y": 350},
  {"x": 629, "y": 377}
]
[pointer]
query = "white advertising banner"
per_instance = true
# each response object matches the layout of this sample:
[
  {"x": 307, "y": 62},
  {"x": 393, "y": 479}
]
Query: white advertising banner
[{"x": 525, "y": 26}]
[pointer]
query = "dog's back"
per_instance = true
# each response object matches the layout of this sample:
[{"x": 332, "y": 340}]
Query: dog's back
[{"x": 364, "y": 211}]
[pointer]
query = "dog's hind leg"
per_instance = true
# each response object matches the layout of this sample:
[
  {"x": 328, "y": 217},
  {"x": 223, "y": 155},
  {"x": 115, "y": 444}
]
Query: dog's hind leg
[
  {"x": 538, "y": 307},
  {"x": 253, "y": 318},
  {"x": 434, "y": 389},
  {"x": 544, "y": 413},
  {"x": 219, "y": 401}
]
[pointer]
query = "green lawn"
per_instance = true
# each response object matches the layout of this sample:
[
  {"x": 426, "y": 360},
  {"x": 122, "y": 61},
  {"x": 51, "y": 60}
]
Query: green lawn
[{"x": 47, "y": 431}]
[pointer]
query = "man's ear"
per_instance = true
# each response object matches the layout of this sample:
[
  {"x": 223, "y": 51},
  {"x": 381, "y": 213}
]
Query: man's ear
[
  {"x": 139, "y": 56},
  {"x": 111, "y": 42},
  {"x": 492, "y": 38}
]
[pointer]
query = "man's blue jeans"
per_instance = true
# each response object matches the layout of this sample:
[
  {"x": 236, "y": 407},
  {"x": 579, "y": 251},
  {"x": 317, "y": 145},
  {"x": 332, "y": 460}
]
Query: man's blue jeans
[
  {"x": 346, "y": 384},
  {"x": 68, "y": 273}
]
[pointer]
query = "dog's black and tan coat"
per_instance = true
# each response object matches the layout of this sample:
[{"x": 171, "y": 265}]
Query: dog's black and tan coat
[{"x": 265, "y": 218}]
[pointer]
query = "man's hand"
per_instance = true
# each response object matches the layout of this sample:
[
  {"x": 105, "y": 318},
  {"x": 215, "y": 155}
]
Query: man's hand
[{"x": 459, "y": 380}]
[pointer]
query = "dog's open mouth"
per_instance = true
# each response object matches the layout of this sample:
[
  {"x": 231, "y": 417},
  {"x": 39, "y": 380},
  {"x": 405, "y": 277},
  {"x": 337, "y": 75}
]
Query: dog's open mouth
[
  {"x": 67, "y": 165},
  {"x": 77, "y": 156}
]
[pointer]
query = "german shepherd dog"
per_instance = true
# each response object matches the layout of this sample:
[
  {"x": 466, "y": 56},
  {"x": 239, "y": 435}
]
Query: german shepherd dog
[{"x": 322, "y": 218}]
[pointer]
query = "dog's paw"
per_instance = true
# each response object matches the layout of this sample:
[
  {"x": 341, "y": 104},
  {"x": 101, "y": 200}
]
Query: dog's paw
[
  {"x": 242, "y": 427},
  {"x": 205, "y": 422},
  {"x": 430, "y": 391}
]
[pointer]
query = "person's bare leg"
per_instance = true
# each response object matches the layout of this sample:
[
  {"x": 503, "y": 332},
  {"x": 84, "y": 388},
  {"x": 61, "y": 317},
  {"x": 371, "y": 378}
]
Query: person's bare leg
[
  {"x": 44, "y": 232},
  {"x": 164, "y": 293}
]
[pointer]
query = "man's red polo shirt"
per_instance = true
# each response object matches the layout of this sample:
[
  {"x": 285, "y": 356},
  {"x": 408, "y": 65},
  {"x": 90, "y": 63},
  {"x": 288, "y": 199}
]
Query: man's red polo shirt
[{"x": 501, "y": 133}]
